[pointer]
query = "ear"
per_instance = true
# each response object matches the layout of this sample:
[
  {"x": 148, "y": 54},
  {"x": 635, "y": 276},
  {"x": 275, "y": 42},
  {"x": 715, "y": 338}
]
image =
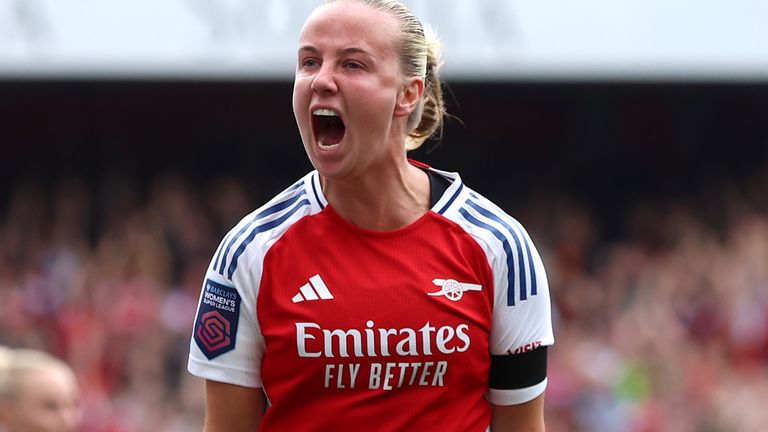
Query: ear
[{"x": 409, "y": 96}]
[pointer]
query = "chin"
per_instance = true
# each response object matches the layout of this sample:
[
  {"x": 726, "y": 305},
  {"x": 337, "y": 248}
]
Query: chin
[
  {"x": 330, "y": 171},
  {"x": 329, "y": 166},
  {"x": 333, "y": 169}
]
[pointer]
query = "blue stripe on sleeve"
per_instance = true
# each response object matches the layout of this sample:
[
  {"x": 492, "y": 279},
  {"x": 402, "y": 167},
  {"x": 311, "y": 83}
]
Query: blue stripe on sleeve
[
  {"x": 453, "y": 198},
  {"x": 531, "y": 265},
  {"x": 295, "y": 185},
  {"x": 507, "y": 251},
  {"x": 259, "y": 229},
  {"x": 218, "y": 252},
  {"x": 280, "y": 206},
  {"x": 521, "y": 265},
  {"x": 264, "y": 213}
]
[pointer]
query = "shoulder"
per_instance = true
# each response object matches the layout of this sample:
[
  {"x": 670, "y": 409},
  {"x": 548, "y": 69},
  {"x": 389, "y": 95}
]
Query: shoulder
[
  {"x": 262, "y": 227},
  {"x": 513, "y": 257},
  {"x": 476, "y": 214}
]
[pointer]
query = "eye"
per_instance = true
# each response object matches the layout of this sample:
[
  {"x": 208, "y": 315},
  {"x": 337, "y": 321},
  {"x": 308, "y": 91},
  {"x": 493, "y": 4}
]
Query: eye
[
  {"x": 353, "y": 65},
  {"x": 309, "y": 63}
]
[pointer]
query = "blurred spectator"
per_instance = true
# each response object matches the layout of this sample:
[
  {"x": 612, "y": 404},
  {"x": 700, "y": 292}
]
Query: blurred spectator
[{"x": 38, "y": 393}]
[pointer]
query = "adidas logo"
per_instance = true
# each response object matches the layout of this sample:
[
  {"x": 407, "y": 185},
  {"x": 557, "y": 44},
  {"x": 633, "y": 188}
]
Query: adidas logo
[{"x": 314, "y": 290}]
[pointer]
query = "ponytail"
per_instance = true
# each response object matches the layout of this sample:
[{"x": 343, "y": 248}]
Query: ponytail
[{"x": 431, "y": 111}]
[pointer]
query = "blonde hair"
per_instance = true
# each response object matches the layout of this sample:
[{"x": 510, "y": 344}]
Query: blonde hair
[
  {"x": 13, "y": 364},
  {"x": 420, "y": 55}
]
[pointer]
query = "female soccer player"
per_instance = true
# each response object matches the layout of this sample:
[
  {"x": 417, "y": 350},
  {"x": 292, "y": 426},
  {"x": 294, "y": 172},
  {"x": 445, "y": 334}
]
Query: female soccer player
[{"x": 376, "y": 293}]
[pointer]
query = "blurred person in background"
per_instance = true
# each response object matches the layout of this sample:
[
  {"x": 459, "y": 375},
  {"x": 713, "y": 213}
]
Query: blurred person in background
[
  {"x": 38, "y": 393},
  {"x": 389, "y": 293}
]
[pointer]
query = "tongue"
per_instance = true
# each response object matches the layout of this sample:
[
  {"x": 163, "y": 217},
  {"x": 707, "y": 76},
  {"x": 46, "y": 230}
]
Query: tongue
[{"x": 330, "y": 130}]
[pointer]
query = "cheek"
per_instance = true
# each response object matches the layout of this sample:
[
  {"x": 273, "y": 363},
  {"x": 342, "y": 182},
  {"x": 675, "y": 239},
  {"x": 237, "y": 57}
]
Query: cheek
[
  {"x": 376, "y": 111},
  {"x": 300, "y": 107},
  {"x": 302, "y": 92},
  {"x": 35, "y": 418},
  {"x": 297, "y": 102}
]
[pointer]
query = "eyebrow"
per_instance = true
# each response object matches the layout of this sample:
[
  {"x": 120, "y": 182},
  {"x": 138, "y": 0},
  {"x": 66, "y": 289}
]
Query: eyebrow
[{"x": 349, "y": 50}]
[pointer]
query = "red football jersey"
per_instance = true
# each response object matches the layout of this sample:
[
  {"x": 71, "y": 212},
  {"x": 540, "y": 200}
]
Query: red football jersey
[{"x": 345, "y": 327}]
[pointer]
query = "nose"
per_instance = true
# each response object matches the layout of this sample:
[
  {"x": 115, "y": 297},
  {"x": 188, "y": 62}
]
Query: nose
[{"x": 324, "y": 80}]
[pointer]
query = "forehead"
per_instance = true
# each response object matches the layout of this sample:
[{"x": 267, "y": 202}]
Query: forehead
[
  {"x": 50, "y": 382},
  {"x": 349, "y": 23}
]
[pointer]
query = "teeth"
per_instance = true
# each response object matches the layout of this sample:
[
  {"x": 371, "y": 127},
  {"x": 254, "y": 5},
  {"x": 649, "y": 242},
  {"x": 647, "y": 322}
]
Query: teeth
[{"x": 324, "y": 112}]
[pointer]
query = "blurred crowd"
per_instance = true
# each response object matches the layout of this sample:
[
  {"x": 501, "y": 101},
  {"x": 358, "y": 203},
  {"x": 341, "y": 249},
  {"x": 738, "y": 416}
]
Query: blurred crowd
[
  {"x": 661, "y": 327},
  {"x": 107, "y": 277},
  {"x": 665, "y": 326}
]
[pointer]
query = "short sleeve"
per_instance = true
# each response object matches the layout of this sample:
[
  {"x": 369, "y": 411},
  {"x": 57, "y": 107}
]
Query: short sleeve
[
  {"x": 522, "y": 320},
  {"x": 227, "y": 344}
]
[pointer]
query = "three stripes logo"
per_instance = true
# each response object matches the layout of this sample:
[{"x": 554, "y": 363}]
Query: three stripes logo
[{"x": 315, "y": 289}]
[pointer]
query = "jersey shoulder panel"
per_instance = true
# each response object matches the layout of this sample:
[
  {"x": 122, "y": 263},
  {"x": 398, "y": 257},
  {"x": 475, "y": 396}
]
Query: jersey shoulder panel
[
  {"x": 244, "y": 243},
  {"x": 522, "y": 315},
  {"x": 507, "y": 245},
  {"x": 227, "y": 344}
]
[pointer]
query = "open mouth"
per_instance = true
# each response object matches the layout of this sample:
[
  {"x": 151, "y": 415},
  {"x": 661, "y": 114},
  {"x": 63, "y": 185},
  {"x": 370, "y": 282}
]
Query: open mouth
[{"x": 328, "y": 127}]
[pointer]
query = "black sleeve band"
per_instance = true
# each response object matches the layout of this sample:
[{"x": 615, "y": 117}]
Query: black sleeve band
[{"x": 516, "y": 371}]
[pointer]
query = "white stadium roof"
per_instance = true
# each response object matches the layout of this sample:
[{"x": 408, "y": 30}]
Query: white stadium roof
[{"x": 484, "y": 39}]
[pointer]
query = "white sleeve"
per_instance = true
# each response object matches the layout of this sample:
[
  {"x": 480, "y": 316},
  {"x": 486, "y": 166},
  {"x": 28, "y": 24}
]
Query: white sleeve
[
  {"x": 521, "y": 314},
  {"x": 227, "y": 344},
  {"x": 521, "y": 305},
  {"x": 522, "y": 318}
]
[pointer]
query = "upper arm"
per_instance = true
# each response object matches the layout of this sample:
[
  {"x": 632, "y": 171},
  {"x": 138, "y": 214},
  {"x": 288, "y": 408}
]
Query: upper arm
[
  {"x": 521, "y": 328},
  {"x": 227, "y": 344},
  {"x": 525, "y": 417},
  {"x": 232, "y": 408}
]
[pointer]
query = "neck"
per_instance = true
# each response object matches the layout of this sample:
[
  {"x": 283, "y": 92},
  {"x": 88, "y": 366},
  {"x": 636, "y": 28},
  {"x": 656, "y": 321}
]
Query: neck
[{"x": 383, "y": 198}]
